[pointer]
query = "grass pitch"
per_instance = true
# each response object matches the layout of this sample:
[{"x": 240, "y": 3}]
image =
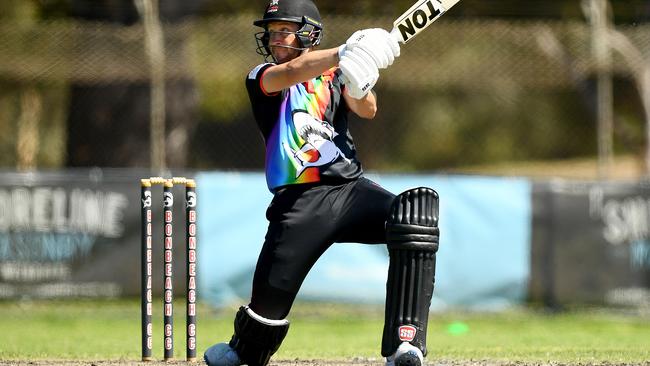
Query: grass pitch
[{"x": 110, "y": 330}]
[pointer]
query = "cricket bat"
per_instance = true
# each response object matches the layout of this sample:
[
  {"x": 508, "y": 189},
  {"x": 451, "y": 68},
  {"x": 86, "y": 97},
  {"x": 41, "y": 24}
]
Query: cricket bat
[{"x": 421, "y": 15}]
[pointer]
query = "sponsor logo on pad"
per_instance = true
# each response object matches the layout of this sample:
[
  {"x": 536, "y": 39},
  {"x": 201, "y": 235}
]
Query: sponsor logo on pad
[{"x": 407, "y": 333}]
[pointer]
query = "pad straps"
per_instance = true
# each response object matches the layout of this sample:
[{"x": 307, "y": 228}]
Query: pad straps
[{"x": 256, "y": 338}]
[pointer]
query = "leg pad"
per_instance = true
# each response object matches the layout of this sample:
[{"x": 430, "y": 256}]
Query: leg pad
[
  {"x": 412, "y": 236},
  {"x": 256, "y": 338}
]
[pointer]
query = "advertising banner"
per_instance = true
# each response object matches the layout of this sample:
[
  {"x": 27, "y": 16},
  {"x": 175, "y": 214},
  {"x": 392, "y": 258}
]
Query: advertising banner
[
  {"x": 483, "y": 261},
  {"x": 77, "y": 234},
  {"x": 591, "y": 243}
]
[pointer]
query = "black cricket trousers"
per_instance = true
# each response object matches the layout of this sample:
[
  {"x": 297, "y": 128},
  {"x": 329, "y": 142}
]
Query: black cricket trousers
[{"x": 305, "y": 220}]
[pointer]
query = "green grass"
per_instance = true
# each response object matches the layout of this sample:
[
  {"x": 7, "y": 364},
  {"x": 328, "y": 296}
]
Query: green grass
[{"x": 110, "y": 330}]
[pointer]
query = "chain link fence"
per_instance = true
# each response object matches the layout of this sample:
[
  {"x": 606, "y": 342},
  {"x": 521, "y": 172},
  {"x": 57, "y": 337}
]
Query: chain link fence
[{"x": 464, "y": 93}]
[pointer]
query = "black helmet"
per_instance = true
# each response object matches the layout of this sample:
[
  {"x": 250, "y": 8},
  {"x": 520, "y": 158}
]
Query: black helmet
[{"x": 303, "y": 12}]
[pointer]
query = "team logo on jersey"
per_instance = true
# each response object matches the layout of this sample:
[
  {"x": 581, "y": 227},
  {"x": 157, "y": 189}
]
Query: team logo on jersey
[
  {"x": 318, "y": 147},
  {"x": 273, "y": 6},
  {"x": 407, "y": 333}
]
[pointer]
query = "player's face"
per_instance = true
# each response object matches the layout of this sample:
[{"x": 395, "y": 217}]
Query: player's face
[{"x": 281, "y": 36}]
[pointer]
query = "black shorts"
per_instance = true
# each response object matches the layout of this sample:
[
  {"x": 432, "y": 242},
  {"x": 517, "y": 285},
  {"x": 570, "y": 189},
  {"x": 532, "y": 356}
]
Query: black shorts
[{"x": 303, "y": 222}]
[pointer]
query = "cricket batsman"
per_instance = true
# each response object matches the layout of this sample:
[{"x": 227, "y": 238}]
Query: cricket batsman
[{"x": 301, "y": 98}]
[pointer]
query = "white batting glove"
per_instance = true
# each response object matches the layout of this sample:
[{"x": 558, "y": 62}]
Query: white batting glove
[
  {"x": 360, "y": 70},
  {"x": 355, "y": 92},
  {"x": 378, "y": 43}
]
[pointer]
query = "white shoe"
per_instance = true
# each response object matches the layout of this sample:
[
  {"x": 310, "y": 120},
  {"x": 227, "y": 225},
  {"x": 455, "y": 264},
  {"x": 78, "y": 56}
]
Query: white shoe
[
  {"x": 406, "y": 355},
  {"x": 221, "y": 355}
]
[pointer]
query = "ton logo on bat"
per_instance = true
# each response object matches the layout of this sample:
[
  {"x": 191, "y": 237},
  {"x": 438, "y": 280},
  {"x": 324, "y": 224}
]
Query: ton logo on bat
[{"x": 413, "y": 22}]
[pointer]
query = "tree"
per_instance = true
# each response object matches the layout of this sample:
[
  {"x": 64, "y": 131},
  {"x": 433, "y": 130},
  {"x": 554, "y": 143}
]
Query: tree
[{"x": 108, "y": 124}]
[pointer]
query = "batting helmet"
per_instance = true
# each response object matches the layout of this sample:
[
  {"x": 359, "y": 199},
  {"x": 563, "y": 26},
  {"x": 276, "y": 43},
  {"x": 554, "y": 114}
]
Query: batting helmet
[{"x": 302, "y": 12}]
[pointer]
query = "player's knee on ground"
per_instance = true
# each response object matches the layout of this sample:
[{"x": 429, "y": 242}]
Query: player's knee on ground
[
  {"x": 256, "y": 338},
  {"x": 412, "y": 237}
]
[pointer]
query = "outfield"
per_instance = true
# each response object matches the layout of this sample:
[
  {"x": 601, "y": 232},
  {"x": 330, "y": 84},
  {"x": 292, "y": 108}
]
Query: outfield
[{"x": 100, "y": 331}]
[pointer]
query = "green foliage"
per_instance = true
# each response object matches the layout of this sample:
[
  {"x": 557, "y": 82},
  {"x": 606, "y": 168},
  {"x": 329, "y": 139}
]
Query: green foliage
[
  {"x": 20, "y": 11},
  {"x": 460, "y": 128},
  {"x": 51, "y": 136},
  {"x": 470, "y": 92},
  {"x": 220, "y": 81},
  {"x": 627, "y": 10}
]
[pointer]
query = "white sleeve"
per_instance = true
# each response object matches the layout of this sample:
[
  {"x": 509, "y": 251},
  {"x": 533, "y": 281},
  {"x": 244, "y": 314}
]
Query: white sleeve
[{"x": 253, "y": 74}]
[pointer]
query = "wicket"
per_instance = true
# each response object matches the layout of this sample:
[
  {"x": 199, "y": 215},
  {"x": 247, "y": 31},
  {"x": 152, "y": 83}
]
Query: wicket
[{"x": 190, "y": 240}]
